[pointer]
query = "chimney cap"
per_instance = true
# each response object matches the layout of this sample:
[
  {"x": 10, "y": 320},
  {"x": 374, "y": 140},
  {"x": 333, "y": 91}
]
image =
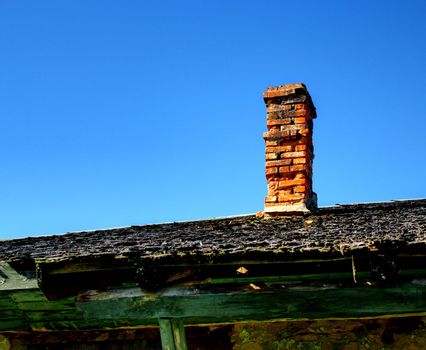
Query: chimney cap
[
  {"x": 287, "y": 92},
  {"x": 284, "y": 90}
]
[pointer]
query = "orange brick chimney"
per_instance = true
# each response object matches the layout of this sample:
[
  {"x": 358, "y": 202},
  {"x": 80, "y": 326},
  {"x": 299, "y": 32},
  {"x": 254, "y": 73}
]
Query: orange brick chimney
[{"x": 289, "y": 150}]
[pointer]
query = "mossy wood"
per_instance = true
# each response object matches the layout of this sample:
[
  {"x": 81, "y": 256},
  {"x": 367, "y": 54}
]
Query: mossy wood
[{"x": 129, "y": 307}]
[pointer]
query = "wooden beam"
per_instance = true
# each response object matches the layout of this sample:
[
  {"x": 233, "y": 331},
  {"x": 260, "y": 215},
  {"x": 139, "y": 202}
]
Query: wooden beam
[
  {"x": 209, "y": 304},
  {"x": 172, "y": 333},
  {"x": 10, "y": 279}
]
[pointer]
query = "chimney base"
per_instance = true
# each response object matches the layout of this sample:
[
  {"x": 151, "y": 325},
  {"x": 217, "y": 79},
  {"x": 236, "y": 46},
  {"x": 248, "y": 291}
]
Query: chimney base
[{"x": 293, "y": 208}]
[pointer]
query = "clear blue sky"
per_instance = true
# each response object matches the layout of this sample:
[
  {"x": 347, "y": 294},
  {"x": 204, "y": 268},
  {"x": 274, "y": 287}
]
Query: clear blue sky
[{"x": 117, "y": 113}]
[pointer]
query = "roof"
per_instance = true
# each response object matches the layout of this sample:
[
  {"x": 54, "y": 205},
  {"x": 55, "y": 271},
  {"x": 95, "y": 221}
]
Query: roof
[
  {"x": 330, "y": 231},
  {"x": 334, "y": 262}
]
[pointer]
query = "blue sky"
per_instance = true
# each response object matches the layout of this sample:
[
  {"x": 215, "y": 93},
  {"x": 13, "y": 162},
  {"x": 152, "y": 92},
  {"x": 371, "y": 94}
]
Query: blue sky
[{"x": 117, "y": 113}]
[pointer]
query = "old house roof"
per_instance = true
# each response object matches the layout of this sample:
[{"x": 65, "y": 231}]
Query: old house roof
[
  {"x": 336, "y": 262},
  {"x": 327, "y": 232}
]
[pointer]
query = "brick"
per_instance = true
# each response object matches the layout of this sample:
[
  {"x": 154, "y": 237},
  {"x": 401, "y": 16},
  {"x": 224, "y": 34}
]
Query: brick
[
  {"x": 271, "y": 171},
  {"x": 290, "y": 197},
  {"x": 300, "y": 120},
  {"x": 300, "y": 106},
  {"x": 279, "y": 149},
  {"x": 285, "y": 112},
  {"x": 284, "y": 169},
  {"x": 271, "y": 199},
  {"x": 300, "y": 189},
  {"x": 272, "y": 108},
  {"x": 299, "y": 161},
  {"x": 285, "y": 86},
  {"x": 290, "y": 128},
  {"x": 272, "y": 143},
  {"x": 295, "y": 99},
  {"x": 276, "y": 135},
  {"x": 269, "y": 204},
  {"x": 278, "y": 163},
  {"x": 278, "y": 93},
  {"x": 272, "y": 184},
  {"x": 294, "y": 154},
  {"x": 300, "y": 148},
  {"x": 271, "y": 156},
  {"x": 287, "y": 191},
  {"x": 291, "y": 183},
  {"x": 273, "y": 193},
  {"x": 278, "y": 122},
  {"x": 298, "y": 167},
  {"x": 304, "y": 132}
]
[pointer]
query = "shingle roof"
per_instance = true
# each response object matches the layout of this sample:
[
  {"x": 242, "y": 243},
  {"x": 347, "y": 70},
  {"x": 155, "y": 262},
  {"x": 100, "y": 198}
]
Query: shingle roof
[{"x": 328, "y": 232}]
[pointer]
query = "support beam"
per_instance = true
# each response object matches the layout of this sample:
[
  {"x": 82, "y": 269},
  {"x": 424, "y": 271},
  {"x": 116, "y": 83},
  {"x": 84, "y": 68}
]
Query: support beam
[
  {"x": 132, "y": 307},
  {"x": 172, "y": 333}
]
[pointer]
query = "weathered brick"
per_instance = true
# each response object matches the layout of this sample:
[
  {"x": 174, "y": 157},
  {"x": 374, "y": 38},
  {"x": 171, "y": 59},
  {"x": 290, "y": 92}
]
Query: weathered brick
[
  {"x": 273, "y": 122},
  {"x": 279, "y": 93},
  {"x": 291, "y": 183},
  {"x": 299, "y": 189},
  {"x": 298, "y": 167},
  {"x": 285, "y": 112},
  {"x": 294, "y": 154},
  {"x": 269, "y": 204},
  {"x": 272, "y": 143},
  {"x": 304, "y": 132},
  {"x": 271, "y": 156},
  {"x": 271, "y": 199},
  {"x": 290, "y": 197},
  {"x": 300, "y": 148},
  {"x": 280, "y": 162},
  {"x": 271, "y": 171},
  {"x": 299, "y": 161},
  {"x": 276, "y": 135},
  {"x": 288, "y": 148},
  {"x": 284, "y": 169},
  {"x": 301, "y": 106}
]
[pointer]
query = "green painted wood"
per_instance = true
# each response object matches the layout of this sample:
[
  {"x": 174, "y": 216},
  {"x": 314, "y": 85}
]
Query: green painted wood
[
  {"x": 172, "y": 333},
  {"x": 27, "y": 295},
  {"x": 301, "y": 302},
  {"x": 10, "y": 279},
  {"x": 54, "y": 315},
  {"x": 179, "y": 334},
  {"x": 209, "y": 304},
  {"x": 12, "y": 325},
  {"x": 166, "y": 333},
  {"x": 58, "y": 305},
  {"x": 341, "y": 276}
]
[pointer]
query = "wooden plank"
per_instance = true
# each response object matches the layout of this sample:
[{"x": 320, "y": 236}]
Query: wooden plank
[
  {"x": 277, "y": 303},
  {"x": 172, "y": 333},
  {"x": 166, "y": 333},
  {"x": 179, "y": 334},
  {"x": 210, "y": 304},
  {"x": 13, "y": 325}
]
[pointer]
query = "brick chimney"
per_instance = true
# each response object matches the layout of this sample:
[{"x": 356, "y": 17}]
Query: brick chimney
[{"x": 289, "y": 150}]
